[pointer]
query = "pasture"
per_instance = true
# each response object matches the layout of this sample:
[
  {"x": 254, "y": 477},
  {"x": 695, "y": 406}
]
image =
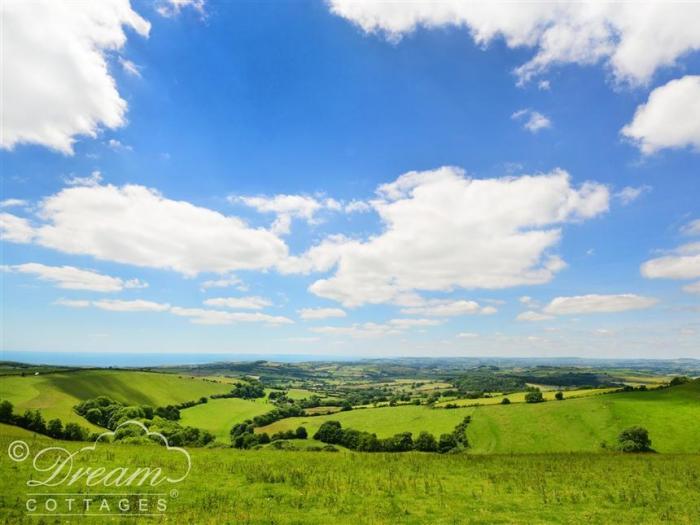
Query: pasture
[
  {"x": 219, "y": 415},
  {"x": 267, "y": 486}
]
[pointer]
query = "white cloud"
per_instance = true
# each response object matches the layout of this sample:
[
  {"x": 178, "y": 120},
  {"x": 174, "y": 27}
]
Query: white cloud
[
  {"x": 245, "y": 303},
  {"x": 683, "y": 264},
  {"x": 136, "y": 305},
  {"x": 171, "y": 8},
  {"x": 321, "y": 313},
  {"x": 143, "y": 228},
  {"x": 71, "y": 278},
  {"x": 411, "y": 323},
  {"x": 670, "y": 118},
  {"x": 355, "y": 206},
  {"x": 226, "y": 282},
  {"x": 64, "y": 44},
  {"x": 533, "y": 121},
  {"x": 629, "y": 194},
  {"x": 218, "y": 317},
  {"x": 633, "y": 39},
  {"x": 448, "y": 308},
  {"x": 93, "y": 179},
  {"x": 129, "y": 67},
  {"x": 11, "y": 203},
  {"x": 467, "y": 335},
  {"x": 533, "y": 316},
  {"x": 359, "y": 331},
  {"x": 444, "y": 230},
  {"x": 116, "y": 305},
  {"x": 593, "y": 303},
  {"x": 527, "y": 300},
  {"x": 15, "y": 229},
  {"x": 116, "y": 145},
  {"x": 543, "y": 85},
  {"x": 288, "y": 207}
]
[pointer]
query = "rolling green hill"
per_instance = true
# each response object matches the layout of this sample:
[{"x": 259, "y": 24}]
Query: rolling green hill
[
  {"x": 219, "y": 415},
  {"x": 574, "y": 425},
  {"x": 55, "y": 395},
  {"x": 384, "y": 421},
  {"x": 671, "y": 415}
]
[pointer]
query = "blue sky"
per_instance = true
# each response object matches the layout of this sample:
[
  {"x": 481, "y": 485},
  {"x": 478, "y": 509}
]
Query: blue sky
[{"x": 344, "y": 179}]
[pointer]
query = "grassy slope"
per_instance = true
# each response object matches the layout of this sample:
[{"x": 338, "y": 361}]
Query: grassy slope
[
  {"x": 56, "y": 394},
  {"x": 256, "y": 487},
  {"x": 219, "y": 415},
  {"x": 572, "y": 425},
  {"x": 519, "y": 397},
  {"x": 384, "y": 422},
  {"x": 671, "y": 416}
]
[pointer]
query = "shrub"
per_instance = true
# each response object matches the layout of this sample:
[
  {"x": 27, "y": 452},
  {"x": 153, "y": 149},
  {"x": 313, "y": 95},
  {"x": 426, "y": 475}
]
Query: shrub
[
  {"x": 559, "y": 395},
  {"x": 426, "y": 442},
  {"x": 534, "y": 396},
  {"x": 679, "y": 380},
  {"x": 505, "y": 401},
  {"x": 301, "y": 433},
  {"x": 446, "y": 443},
  {"x": 634, "y": 439}
]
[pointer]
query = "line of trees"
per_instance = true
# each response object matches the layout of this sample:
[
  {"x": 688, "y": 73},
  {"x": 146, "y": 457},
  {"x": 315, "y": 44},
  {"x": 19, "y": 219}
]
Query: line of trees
[
  {"x": 333, "y": 433},
  {"x": 251, "y": 390},
  {"x": 34, "y": 421}
]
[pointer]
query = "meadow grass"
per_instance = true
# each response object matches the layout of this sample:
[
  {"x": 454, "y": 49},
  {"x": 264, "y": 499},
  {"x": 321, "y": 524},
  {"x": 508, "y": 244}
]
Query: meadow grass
[
  {"x": 519, "y": 397},
  {"x": 278, "y": 487},
  {"x": 384, "y": 421},
  {"x": 219, "y": 415},
  {"x": 56, "y": 394}
]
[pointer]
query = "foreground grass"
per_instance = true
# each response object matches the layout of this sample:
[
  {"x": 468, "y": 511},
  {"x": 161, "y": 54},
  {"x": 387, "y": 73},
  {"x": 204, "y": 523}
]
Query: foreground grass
[
  {"x": 56, "y": 394},
  {"x": 266, "y": 487}
]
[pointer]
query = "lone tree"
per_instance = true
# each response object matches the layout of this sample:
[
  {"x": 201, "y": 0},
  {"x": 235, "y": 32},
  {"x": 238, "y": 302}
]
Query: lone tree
[
  {"x": 634, "y": 439},
  {"x": 559, "y": 395},
  {"x": 505, "y": 401},
  {"x": 534, "y": 396}
]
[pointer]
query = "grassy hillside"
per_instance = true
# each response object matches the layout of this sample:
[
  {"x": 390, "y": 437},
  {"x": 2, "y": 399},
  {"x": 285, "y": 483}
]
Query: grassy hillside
[
  {"x": 671, "y": 415},
  {"x": 56, "y": 394},
  {"x": 262, "y": 487},
  {"x": 219, "y": 415},
  {"x": 519, "y": 397},
  {"x": 572, "y": 425},
  {"x": 384, "y": 422}
]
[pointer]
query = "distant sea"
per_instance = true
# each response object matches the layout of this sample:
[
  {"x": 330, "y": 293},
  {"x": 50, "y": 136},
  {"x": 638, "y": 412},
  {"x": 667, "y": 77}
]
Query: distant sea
[{"x": 153, "y": 359}]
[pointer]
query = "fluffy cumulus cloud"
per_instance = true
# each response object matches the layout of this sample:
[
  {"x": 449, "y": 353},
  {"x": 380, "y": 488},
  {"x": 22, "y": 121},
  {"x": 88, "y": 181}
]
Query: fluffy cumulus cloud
[
  {"x": 71, "y": 278},
  {"x": 594, "y": 303},
  {"x": 634, "y": 39},
  {"x": 139, "y": 226},
  {"x": 681, "y": 263},
  {"x": 171, "y": 8},
  {"x": 244, "y": 303},
  {"x": 320, "y": 313},
  {"x": 15, "y": 229},
  {"x": 443, "y": 230},
  {"x": 65, "y": 45},
  {"x": 448, "y": 308},
  {"x": 533, "y": 121},
  {"x": 288, "y": 207},
  {"x": 670, "y": 118}
]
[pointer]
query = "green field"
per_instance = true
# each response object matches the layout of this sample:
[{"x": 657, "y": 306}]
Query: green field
[
  {"x": 267, "y": 486},
  {"x": 56, "y": 394},
  {"x": 519, "y": 397},
  {"x": 219, "y": 415},
  {"x": 384, "y": 422},
  {"x": 574, "y": 425}
]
